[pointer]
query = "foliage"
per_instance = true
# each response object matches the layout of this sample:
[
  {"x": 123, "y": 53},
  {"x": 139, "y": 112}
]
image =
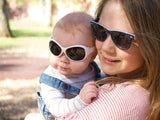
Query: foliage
[
  {"x": 68, "y": 0},
  {"x": 22, "y": 2}
]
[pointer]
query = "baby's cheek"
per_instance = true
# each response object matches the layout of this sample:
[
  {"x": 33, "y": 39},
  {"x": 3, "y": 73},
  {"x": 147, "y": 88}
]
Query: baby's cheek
[
  {"x": 53, "y": 62},
  {"x": 79, "y": 68},
  {"x": 54, "y": 66}
]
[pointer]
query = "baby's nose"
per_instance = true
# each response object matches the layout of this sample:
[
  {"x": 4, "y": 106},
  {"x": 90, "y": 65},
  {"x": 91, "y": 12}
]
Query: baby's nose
[{"x": 63, "y": 58}]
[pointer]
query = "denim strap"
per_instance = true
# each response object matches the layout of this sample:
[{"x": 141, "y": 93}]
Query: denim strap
[
  {"x": 43, "y": 108},
  {"x": 58, "y": 84},
  {"x": 97, "y": 70}
]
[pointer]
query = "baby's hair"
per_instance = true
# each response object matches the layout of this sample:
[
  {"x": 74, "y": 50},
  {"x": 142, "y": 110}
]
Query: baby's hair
[{"x": 75, "y": 21}]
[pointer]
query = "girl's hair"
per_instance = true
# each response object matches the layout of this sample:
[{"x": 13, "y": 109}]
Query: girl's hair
[{"x": 144, "y": 17}]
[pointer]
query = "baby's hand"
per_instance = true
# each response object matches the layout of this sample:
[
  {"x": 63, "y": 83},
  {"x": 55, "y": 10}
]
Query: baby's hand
[{"x": 88, "y": 92}]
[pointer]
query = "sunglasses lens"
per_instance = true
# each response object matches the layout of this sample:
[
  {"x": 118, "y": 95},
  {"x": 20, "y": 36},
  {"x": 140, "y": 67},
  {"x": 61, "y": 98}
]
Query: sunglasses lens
[
  {"x": 54, "y": 48},
  {"x": 99, "y": 32},
  {"x": 76, "y": 53},
  {"x": 121, "y": 40}
]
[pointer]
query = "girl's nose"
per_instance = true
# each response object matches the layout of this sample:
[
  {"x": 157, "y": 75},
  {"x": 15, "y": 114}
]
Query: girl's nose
[{"x": 108, "y": 45}]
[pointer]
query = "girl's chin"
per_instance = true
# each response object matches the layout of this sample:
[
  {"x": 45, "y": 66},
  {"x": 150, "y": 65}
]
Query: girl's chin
[{"x": 110, "y": 69}]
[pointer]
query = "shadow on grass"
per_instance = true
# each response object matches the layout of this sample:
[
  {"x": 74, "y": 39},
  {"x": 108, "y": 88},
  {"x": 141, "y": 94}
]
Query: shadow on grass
[
  {"x": 22, "y": 103},
  {"x": 30, "y": 33},
  {"x": 12, "y": 110}
]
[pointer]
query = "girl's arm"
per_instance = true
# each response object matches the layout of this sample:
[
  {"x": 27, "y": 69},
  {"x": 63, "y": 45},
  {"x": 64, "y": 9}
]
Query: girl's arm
[{"x": 124, "y": 101}]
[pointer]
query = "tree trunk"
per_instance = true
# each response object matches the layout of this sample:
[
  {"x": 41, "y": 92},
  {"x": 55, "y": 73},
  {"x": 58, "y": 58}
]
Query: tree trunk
[
  {"x": 4, "y": 24},
  {"x": 48, "y": 13}
]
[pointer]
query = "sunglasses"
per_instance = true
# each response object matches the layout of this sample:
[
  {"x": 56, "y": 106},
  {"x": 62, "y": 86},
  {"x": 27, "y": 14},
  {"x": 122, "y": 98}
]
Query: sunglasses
[
  {"x": 121, "y": 39},
  {"x": 74, "y": 52}
]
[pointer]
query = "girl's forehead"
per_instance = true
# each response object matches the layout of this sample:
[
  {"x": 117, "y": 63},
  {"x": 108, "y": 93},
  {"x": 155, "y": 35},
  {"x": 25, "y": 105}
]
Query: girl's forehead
[{"x": 114, "y": 18}]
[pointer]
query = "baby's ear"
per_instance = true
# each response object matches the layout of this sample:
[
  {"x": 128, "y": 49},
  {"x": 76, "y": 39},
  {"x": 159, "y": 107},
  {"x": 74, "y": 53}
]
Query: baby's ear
[{"x": 94, "y": 54}]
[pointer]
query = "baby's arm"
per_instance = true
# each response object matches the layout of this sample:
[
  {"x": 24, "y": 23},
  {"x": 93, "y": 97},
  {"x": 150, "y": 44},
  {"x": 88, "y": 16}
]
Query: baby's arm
[{"x": 56, "y": 102}]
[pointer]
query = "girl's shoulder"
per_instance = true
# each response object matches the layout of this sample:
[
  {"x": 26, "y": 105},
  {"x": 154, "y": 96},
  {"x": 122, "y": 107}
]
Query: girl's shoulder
[
  {"x": 130, "y": 98},
  {"x": 126, "y": 90},
  {"x": 127, "y": 87}
]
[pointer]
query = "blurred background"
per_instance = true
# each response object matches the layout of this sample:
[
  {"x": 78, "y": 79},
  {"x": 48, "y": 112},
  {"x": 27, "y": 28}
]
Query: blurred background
[{"x": 25, "y": 29}]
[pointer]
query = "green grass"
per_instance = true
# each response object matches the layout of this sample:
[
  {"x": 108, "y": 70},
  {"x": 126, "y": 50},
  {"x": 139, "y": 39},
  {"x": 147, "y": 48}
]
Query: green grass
[
  {"x": 25, "y": 31},
  {"x": 29, "y": 33},
  {"x": 10, "y": 43}
]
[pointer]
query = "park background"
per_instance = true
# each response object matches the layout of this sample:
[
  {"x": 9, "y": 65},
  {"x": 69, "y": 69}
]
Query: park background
[{"x": 26, "y": 26}]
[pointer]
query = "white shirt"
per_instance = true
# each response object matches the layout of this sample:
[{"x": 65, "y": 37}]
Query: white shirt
[{"x": 56, "y": 101}]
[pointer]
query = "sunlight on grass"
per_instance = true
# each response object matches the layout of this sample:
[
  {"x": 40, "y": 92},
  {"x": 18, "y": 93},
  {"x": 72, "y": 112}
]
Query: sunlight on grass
[
  {"x": 10, "y": 42},
  {"x": 30, "y": 33},
  {"x": 25, "y": 31}
]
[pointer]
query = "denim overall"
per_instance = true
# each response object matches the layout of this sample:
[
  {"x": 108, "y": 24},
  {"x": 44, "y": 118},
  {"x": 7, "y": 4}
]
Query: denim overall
[{"x": 62, "y": 86}]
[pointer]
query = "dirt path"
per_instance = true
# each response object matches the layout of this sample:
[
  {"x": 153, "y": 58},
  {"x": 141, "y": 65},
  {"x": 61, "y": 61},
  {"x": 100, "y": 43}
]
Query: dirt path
[
  {"x": 22, "y": 62},
  {"x": 22, "y": 67}
]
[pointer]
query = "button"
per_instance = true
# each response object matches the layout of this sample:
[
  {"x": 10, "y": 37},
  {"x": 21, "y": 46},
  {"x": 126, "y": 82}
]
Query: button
[
  {"x": 65, "y": 86},
  {"x": 51, "y": 118}
]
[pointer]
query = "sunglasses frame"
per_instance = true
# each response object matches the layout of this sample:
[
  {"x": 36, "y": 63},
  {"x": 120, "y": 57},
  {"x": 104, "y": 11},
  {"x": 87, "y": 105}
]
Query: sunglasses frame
[
  {"x": 88, "y": 50},
  {"x": 131, "y": 36}
]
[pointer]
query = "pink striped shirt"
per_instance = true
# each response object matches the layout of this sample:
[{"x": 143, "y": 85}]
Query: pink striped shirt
[{"x": 125, "y": 101}]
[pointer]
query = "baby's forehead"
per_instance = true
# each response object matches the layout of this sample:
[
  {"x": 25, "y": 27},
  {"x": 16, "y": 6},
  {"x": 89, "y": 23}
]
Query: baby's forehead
[
  {"x": 74, "y": 32},
  {"x": 73, "y": 36}
]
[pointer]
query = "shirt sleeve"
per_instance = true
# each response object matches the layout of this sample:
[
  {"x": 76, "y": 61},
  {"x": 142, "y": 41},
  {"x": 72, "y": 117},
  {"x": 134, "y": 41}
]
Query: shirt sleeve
[
  {"x": 122, "y": 102},
  {"x": 56, "y": 102}
]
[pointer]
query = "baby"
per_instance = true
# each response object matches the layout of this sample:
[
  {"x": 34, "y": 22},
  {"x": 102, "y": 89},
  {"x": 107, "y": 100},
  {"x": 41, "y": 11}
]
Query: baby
[{"x": 67, "y": 85}]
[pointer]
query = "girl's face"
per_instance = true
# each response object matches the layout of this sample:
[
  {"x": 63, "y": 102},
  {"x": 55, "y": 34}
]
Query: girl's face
[
  {"x": 63, "y": 64},
  {"x": 114, "y": 60}
]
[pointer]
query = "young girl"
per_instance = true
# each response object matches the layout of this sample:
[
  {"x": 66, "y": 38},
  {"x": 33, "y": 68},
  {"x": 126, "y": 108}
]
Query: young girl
[{"x": 127, "y": 36}]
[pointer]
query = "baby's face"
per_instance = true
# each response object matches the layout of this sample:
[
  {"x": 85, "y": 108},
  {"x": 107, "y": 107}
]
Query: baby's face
[{"x": 62, "y": 62}]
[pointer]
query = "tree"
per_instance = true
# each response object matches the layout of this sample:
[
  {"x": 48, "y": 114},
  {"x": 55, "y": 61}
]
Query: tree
[
  {"x": 48, "y": 12},
  {"x": 4, "y": 24}
]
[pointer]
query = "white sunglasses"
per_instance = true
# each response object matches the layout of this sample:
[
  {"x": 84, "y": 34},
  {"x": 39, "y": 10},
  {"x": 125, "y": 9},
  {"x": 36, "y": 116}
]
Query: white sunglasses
[{"x": 74, "y": 52}]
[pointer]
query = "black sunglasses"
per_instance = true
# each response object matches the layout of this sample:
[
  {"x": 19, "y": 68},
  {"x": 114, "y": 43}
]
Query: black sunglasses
[
  {"x": 121, "y": 39},
  {"x": 74, "y": 52}
]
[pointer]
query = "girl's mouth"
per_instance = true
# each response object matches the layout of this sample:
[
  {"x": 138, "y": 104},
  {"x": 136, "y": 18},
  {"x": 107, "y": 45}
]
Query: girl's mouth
[{"x": 110, "y": 60}]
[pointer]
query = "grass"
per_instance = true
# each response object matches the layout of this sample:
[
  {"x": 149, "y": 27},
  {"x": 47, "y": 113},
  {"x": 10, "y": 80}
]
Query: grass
[
  {"x": 9, "y": 43},
  {"x": 23, "y": 31},
  {"x": 30, "y": 33}
]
